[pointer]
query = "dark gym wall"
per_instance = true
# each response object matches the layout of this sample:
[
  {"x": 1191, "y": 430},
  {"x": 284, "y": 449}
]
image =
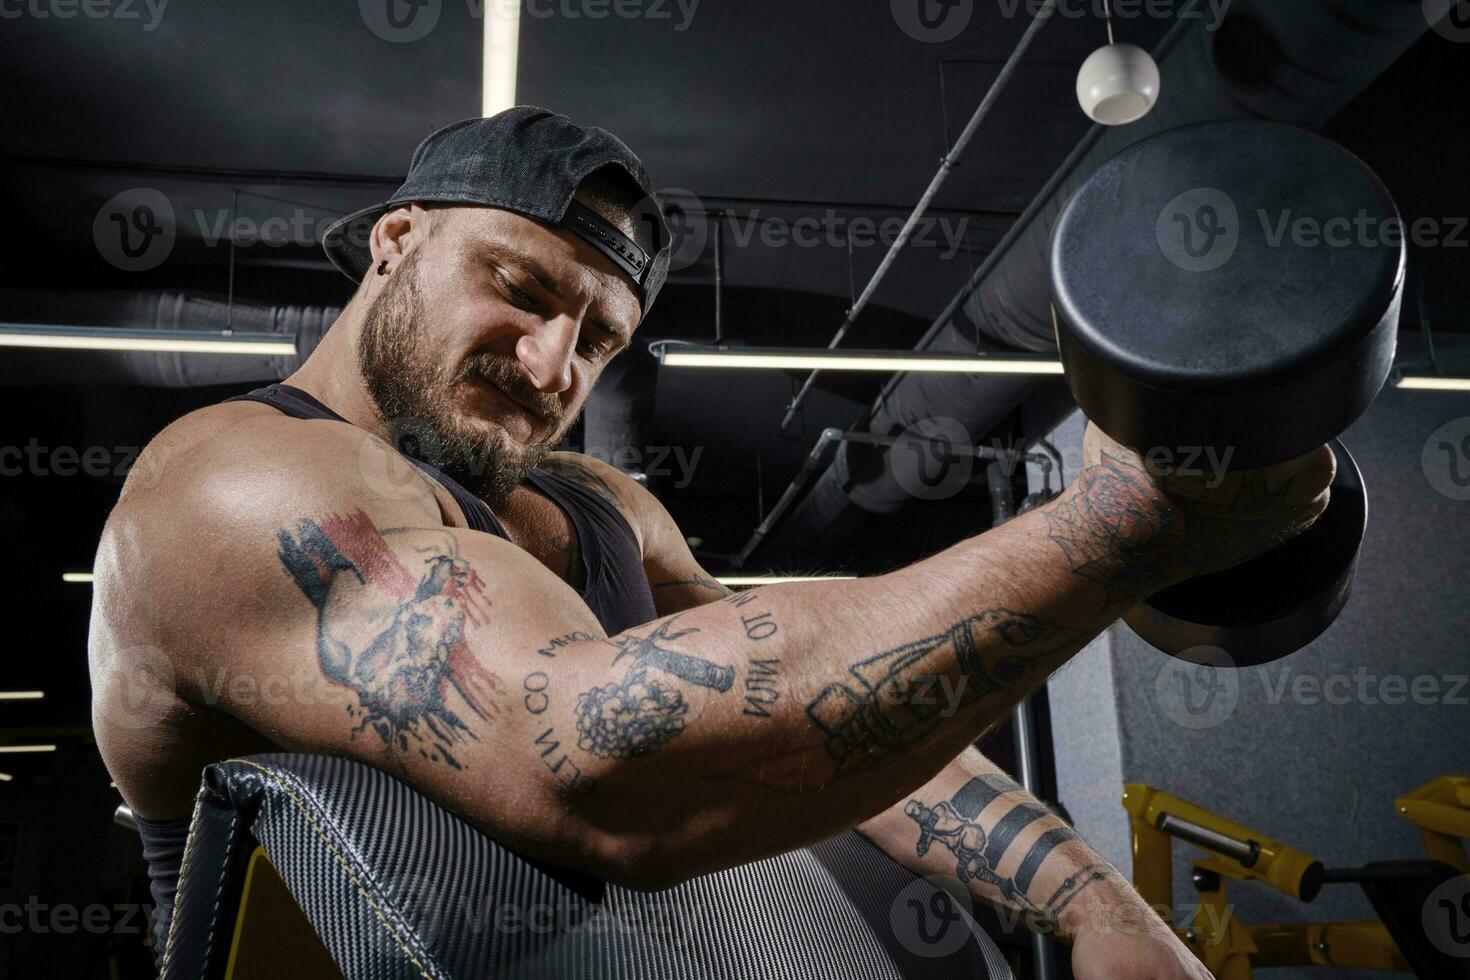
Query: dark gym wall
[{"x": 1270, "y": 750}]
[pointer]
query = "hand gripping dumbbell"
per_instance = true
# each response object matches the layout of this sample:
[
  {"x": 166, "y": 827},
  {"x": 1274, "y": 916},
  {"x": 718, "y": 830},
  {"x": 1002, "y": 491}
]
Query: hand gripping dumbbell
[{"x": 1227, "y": 295}]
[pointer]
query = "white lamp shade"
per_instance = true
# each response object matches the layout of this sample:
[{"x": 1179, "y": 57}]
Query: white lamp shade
[{"x": 1118, "y": 83}]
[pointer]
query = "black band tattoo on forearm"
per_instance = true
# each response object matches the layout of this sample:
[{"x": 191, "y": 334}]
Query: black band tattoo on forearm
[{"x": 955, "y": 824}]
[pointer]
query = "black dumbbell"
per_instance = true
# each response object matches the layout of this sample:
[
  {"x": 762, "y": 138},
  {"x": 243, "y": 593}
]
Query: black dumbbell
[{"x": 1230, "y": 291}]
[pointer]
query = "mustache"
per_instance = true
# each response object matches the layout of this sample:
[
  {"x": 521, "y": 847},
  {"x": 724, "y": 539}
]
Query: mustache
[{"x": 502, "y": 372}]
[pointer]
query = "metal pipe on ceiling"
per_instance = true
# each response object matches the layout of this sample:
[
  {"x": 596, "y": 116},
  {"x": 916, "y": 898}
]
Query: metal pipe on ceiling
[
  {"x": 1299, "y": 63},
  {"x": 946, "y": 166}
]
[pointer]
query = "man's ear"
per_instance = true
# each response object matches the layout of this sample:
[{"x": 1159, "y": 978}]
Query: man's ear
[{"x": 396, "y": 232}]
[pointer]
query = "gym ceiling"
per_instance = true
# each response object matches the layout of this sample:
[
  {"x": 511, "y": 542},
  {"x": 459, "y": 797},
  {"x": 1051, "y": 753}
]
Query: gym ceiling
[{"x": 298, "y": 111}]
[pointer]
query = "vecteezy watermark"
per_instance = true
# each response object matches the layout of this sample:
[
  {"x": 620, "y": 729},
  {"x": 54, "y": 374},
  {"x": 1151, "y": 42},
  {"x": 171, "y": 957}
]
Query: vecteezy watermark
[
  {"x": 148, "y": 12},
  {"x": 1449, "y": 18},
  {"x": 470, "y": 910},
  {"x": 1199, "y": 688},
  {"x": 1446, "y": 917},
  {"x": 1196, "y": 699},
  {"x": 1191, "y": 461},
  {"x": 386, "y": 468},
  {"x": 686, "y": 219},
  {"x": 1212, "y": 11},
  {"x": 1446, "y": 459},
  {"x": 1361, "y": 229},
  {"x": 136, "y": 230},
  {"x": 134, "y": 686},
  {"x": 1361, "y": 687},
  {"x": 931, "y": 917},
  {"x": 654, "y": 462},
  {"x": 933, "y": 459},
  {"x": 1199, "y": 230},
  {"x": 938, "y": 21},
  {"x": 833, "y": 230},
  {"x": 64, "y": 918},
  {"x": 35, "y": 459},
  {"x": 406, "y": 21},
  {"x": 932, "y": 21}
]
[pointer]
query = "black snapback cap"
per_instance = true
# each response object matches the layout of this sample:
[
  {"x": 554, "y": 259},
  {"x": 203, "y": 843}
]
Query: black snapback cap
[{"x": 527, "y": 160}]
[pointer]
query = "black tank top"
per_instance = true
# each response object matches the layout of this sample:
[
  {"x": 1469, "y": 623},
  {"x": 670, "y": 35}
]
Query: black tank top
[{"x": 616, "y": 590}]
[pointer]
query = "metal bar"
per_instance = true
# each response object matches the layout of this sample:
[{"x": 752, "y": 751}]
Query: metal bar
[
  {"x": 1247, "y": 852},
  {"x": 833, "y": 435},
  {"x": 946, "y": 166},
  {"x": 719, "y": 277},
  {"x": 230, "y": 294},
  {"x": 1044, "y": 954},
  {"x": 813, "y": 460}
]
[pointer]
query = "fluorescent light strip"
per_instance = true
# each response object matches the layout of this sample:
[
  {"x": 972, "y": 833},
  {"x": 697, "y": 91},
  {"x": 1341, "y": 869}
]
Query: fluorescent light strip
[
  {"x": 22, "y": 695},
  {"x": 740, "y": 580},
  {"x": 1434, "y": 383},
  {"x": 76, "y": 577},
  {"x": 857, "y": 361},
  {"x": 502, "y": 39},
  {"x": 161, "y": 341},
  {"x": 5, "y": 777},
  {"x": 27, "y": 748}
]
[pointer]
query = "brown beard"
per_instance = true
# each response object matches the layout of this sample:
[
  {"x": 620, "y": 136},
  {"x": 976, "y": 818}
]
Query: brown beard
[{"x": 414, "y": 399}]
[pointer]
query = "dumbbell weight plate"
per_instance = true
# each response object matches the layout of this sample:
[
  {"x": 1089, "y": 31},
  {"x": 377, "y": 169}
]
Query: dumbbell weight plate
[
  {"x": 1275, "y": 603},
  {"x": 1226, "y": 296}
]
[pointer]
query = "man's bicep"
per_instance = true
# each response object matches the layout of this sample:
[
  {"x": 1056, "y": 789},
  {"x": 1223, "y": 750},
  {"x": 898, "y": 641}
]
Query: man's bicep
[
  {"x": 411, "y": 649},
  {"x": 413, "y": 625}
]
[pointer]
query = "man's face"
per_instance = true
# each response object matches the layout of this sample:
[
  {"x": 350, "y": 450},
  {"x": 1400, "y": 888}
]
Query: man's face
[{"x": 484, "y": 343}]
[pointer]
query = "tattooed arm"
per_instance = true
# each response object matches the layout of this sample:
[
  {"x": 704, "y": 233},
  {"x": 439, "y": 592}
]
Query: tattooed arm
[
  {"x": 702, "y": 740},
  {"x": 974, "y": 825}
]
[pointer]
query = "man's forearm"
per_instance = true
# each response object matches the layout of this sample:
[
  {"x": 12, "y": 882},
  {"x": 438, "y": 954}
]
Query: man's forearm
[
  {"x": 794, "y": 711},
  {"x": 974, "y": 824}
]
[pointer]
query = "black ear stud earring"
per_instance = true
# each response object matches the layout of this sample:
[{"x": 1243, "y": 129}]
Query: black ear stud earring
[{"x": 383, "y": 268}]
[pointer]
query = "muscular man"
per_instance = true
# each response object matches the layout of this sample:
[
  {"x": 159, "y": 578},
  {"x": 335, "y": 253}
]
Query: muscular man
[{"x": 524, "y": 636}]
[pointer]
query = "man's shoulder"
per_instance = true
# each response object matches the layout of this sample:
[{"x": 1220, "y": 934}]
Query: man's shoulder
[{"x": 249, "y": 441}]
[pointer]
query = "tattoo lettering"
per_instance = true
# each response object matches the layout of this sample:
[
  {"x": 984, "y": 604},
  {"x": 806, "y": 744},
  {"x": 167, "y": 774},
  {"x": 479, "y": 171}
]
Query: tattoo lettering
[
  {"x": 392, "y": 630},
  {"x": 738, "y": 599},
  {"x": 567, "y": 772},
  {"x": 639, "y": 713},
  {"x": 537, "y": 700},
  {"x": 760, "y": 687},
  {"x": 885, "y": 706},
  {"x": 760, "y": 626},
  {"x": 557, "y": 642},
  {"x": 955, "y": 824}
]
